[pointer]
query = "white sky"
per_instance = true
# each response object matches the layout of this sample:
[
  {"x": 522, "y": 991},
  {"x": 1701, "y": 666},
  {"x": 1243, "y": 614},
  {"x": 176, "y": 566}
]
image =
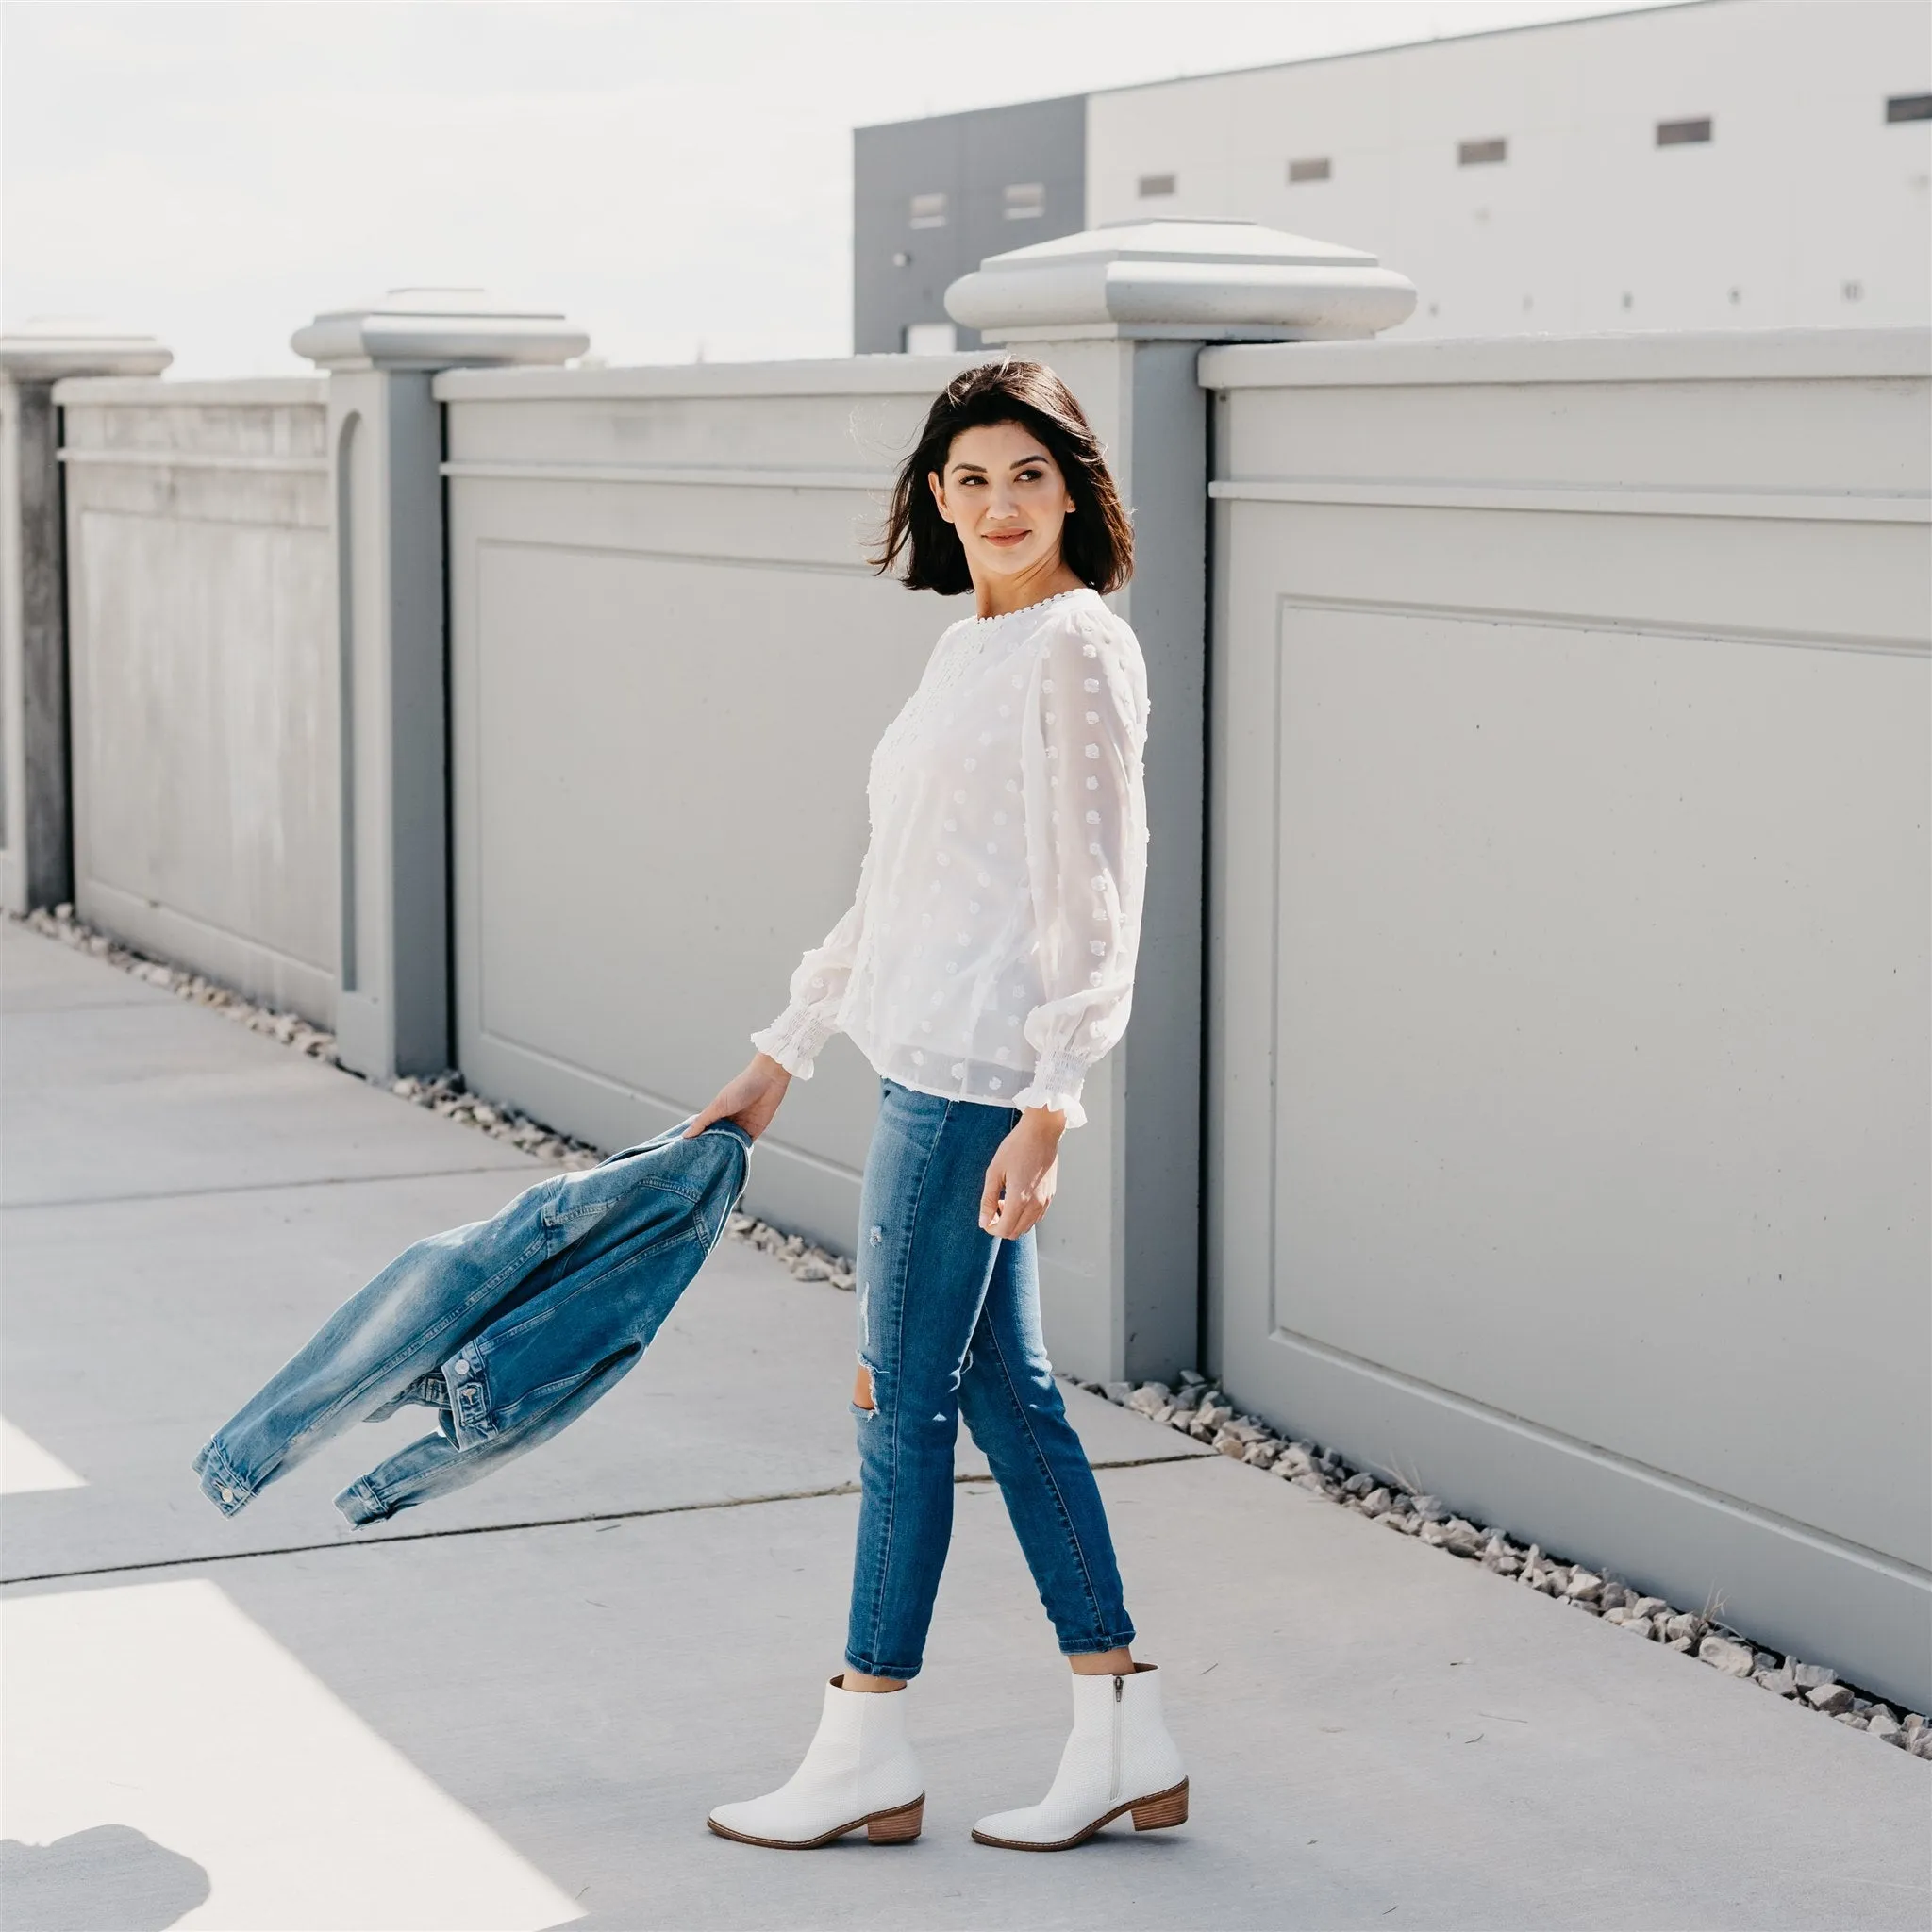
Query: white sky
[{"x": 675, "y": 176}]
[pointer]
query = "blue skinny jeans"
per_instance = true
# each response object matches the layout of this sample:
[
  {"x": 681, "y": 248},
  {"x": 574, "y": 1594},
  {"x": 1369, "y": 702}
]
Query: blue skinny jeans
[{"x": 949, "y": 1325}]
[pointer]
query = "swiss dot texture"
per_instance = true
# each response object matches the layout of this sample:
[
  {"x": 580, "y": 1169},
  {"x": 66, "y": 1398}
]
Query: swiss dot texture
[{"x": 1022, "y": 948}]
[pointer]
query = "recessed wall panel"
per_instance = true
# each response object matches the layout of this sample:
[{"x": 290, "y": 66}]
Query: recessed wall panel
[
  {"x": 1600, "y": 1032},
  {"x": 674, "y": 798},
  {"x": 1569, "y": 1085}
]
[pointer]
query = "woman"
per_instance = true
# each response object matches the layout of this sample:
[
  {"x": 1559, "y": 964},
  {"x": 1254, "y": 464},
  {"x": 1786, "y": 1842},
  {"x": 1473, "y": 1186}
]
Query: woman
[{"x": 984, "y": 964}]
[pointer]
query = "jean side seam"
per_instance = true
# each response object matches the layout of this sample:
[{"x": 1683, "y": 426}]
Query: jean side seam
[
  {"x": 899, "y": 1378},
  {"x": 1066, "y": 1515}
]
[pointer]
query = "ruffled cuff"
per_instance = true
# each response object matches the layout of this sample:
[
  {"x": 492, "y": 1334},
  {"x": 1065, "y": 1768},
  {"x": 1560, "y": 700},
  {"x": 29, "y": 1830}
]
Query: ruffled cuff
[
  {"x": 794, "y": 1040},
  {"x": 1056, "y": 1082}
]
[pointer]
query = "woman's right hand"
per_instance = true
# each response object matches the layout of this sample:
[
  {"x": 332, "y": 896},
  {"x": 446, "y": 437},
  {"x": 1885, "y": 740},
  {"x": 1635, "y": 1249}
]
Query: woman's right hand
[{"x": 750, "y": 1099}]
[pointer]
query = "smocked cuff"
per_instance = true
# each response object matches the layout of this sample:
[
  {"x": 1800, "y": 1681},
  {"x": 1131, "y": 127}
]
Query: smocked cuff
[
  {"x": 794, "y": 1040},
  {"x": 1056, "y": 1082}
]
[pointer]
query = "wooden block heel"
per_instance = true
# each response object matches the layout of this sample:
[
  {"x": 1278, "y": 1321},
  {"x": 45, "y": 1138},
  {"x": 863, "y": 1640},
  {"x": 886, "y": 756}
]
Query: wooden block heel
[
  {"x": 1170, "y": 1808},
  {"x": 901, "y": 1826}
]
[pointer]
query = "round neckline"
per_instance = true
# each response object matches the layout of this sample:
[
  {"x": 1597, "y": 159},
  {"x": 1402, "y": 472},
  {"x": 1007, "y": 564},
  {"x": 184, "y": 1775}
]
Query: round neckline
[{"x": 1057, "y": 597}]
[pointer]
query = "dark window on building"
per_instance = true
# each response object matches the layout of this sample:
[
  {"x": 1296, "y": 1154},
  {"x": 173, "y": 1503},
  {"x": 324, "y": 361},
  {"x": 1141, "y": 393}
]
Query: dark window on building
[
  {"x": 928, "y": 211},
  {"x": 1316, "y": 170},
  {"x": 1478, "y": 154},
  {"x": 1025, "y": 201},
  {"x": 1908, "y": 108},
  {"x": 1682, "y": 133},
  {"x": 1153, "y": 186}
]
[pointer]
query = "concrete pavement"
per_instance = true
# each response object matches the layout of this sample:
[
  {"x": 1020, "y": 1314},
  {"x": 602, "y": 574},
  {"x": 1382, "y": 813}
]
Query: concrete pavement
[{"x": 512, "y": 1708}]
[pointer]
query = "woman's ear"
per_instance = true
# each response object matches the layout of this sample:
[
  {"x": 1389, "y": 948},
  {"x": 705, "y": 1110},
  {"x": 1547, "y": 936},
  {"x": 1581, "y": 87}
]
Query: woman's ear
[{"x": 938, "y": 495}]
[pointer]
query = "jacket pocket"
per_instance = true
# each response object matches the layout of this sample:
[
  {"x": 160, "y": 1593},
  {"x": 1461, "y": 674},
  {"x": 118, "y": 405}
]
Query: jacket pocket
[{"x": 566, "y": 1222}]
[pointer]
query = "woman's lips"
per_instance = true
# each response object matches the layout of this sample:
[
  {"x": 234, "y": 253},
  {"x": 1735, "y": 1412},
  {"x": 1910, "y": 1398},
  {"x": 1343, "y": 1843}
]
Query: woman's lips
[{"x": 1007, "y": 537}]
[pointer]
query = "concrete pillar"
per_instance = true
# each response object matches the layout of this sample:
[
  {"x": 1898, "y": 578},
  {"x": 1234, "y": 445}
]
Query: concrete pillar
[
  {"x": 36, "y": 801},
  {"x": 393, "y": 1015},
  {"x": 1122, "y": 313}
]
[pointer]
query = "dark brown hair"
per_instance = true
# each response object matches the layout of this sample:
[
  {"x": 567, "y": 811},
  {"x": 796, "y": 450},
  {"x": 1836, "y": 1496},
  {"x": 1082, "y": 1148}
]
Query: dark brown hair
[{"x": 1096, "y": 541}]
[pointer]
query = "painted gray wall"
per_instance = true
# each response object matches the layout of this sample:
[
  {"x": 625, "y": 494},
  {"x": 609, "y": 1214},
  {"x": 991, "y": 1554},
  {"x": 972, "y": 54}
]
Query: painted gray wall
[
  {"x": 668, "y": 666},
  {"x": 36, "y": 809},
  {"x": 36, "y": 782},
  {"x": 203, "y": 667},
  {"x": 1569, "y": 986},
  {"x": 385, "y": 441},
  {"x": 386, "y": 431},
  {"x": 970, "y": 158},
  {"x": 1567, "y": 979}
]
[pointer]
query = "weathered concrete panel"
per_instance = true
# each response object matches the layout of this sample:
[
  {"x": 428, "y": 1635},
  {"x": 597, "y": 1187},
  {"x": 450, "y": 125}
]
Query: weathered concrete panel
[
  {"x": 204, "y": 673},
  {"x": 668, "y": 666},
  {"x": 1569, "y": 1110},
  {"x": 36, "y": 807},
  {"x": 665, "y": 686}
]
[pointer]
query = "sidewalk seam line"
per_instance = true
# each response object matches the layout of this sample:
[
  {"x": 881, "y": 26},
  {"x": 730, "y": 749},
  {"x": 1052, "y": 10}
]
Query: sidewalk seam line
[
  {"x": 422, "y": 1535},
  {"x": 326, "y": 1180}
]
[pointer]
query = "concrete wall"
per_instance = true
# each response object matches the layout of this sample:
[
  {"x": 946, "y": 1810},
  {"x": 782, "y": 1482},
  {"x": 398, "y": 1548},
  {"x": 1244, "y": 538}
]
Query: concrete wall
[
  {"x": 203, "y": 670},
  {"x": 36, "y": 808},
  {"x": 32, "y": 703},
  {"x": 1566, "y": 1063},
  {"x": 669, "y": 665},
  {"x": 1568, "y": 1094}
]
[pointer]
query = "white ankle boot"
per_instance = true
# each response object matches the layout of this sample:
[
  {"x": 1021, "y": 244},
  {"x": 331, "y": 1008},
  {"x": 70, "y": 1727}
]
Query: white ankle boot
[
  {"x": 858, "y": 1769},
  {"x": 1119, "y": 1758}
]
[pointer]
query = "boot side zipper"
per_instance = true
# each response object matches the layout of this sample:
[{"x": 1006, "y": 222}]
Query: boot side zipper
[{"x": 1114, "y": 1782}]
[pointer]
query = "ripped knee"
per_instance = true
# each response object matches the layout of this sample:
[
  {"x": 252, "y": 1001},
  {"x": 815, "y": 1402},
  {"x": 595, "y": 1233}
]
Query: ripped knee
[{"x": 861, "y": 1389}]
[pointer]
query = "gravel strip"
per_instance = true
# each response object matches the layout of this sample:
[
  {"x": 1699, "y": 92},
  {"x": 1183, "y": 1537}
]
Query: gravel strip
[
  {"x": 1198, "y": 1408},
  {"x": 1194, "y": 1406},
  {"x": 447, "y": 1094}
]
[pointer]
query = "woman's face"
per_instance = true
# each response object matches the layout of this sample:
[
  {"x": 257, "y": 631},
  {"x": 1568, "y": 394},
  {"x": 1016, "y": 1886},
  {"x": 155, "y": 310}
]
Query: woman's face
[{"x": 1006, "y": 498}]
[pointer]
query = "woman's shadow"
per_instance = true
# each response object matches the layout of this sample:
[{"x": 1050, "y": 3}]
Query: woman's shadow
[{"x": 110, "y": 1878}]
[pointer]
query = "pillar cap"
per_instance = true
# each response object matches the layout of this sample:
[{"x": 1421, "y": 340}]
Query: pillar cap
[
  {"x": 438, "y": 328},
  {"x": 47, "y": 347},
  {"x": 1224, "y": 281}
]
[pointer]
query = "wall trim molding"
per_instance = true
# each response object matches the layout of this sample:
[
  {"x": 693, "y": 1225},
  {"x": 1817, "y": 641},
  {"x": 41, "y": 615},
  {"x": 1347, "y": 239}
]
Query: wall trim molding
[
  {"x": 1898, "y": 1569},
  {"x": 198, "y": 459},
  {"x": 1856, "y": 506},
  {"x": 718, "y": 476},
  {"x": 256, "y": 967},
  {"x": 873, "y": 374},
  {"x": 1612, "y": 356},
  {"x": 1687, "y": 631},
  {"x": 708, "y": 559}
]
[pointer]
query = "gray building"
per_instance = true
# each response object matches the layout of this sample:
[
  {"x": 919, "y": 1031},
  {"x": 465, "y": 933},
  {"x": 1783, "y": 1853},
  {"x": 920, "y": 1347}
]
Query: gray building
[
  {"x": 1617, "y": 172},
  {"x": 933, "y": 198}
]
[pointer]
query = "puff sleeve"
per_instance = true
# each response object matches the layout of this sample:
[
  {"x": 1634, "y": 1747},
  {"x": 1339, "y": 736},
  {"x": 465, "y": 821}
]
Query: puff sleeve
[
  {"x": 1086, "y": 811},
  {"x": 817, "y": 989}
]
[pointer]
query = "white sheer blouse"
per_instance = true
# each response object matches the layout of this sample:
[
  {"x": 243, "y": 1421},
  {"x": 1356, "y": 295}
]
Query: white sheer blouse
[{"x": 989, "y": 952}]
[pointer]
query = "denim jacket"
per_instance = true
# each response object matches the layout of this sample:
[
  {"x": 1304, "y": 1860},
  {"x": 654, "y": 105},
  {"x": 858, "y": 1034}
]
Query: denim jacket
[{"x": 509, "y": 1328}]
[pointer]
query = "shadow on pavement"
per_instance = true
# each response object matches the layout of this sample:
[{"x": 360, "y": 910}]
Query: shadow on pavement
[{"x": 111, "y": 1879}]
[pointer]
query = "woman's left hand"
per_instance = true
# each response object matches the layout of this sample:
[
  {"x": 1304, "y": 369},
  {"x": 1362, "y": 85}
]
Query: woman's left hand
[{"x": 1025, "y": 1169}]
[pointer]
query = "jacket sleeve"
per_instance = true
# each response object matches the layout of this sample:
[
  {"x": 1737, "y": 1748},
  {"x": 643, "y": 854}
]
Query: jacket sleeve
[
  {"x": 1080, "y": 765},
  {"x": 818, "y": 985}
]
